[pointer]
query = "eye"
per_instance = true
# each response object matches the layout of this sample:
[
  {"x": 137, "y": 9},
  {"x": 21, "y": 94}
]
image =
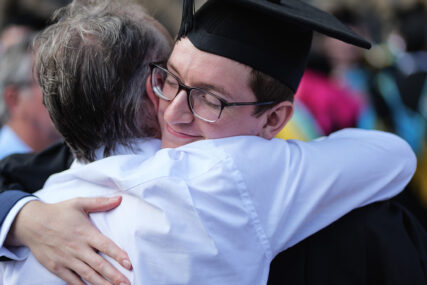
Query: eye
[
  {"x": 171, "y": 82},
  {"x": 210, "y": 101},
  {"x": 170, "y": 87}
]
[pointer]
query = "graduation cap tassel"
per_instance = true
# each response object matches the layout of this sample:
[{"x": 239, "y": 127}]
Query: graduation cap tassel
[{"x": 187, "y": 18}]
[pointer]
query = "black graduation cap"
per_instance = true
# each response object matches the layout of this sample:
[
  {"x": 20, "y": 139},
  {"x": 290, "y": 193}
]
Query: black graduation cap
[{"x": 271, "y": 36}]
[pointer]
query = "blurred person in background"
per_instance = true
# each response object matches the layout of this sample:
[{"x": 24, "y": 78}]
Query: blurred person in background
[
  {"x": 346, "y": 63},
  {"x": 11, "y": 35},
  {"x": 331, "y": 94},
  {"x": 30, "y": 13},
  {"x": 26, "y": 125},
  {"x": 384, "y": 88},
  {"x": 399, "y": 93},
  {"x": 333, "y": 106},
  {"x": 348, "y": 68},
  {"x": 20, "y": 17},
  {"x": 348, "y": 76}
]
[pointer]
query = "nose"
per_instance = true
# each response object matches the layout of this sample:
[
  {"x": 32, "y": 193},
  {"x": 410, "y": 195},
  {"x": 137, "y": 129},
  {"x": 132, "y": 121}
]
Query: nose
[{"x": 178, "y": 111}]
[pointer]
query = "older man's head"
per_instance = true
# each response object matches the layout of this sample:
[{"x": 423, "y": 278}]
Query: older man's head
[{"x": 92, "y": 65}]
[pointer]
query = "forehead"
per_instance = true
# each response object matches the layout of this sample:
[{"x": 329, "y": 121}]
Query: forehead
[{"x": 200, "y": 69}]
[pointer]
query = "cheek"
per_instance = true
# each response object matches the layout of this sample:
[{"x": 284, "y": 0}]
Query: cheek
[
  {"x": 244, "y": 125},
  {"x": 242, "y": 122},
  {"x": 28, "y": 106},
  {"x": 44, "y": 115},
  {"x": 38, "y": 112},
  {"x": 37, "y": 103},
  {"x": 161, "y": 110},
  {"x": 247, "y": 126},
  {"x": 32, "y": 99}
]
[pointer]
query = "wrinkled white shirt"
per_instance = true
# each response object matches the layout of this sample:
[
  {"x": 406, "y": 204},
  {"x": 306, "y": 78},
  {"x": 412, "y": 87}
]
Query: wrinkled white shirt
[{"x": 218, "y": 211}]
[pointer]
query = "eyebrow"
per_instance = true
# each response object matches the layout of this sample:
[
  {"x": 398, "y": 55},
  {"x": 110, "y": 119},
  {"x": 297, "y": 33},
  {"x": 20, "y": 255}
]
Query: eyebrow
[
  {"x": 170, "y": 66},
  {"x": 217, "y": 90}
]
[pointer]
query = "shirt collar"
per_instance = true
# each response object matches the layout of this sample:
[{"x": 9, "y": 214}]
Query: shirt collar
[{"x": 146, "y": 146}]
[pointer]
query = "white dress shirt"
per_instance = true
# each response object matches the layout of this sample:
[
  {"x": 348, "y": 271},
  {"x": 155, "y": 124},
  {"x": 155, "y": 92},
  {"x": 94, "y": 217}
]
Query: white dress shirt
[{"x": 218, "y": 211}]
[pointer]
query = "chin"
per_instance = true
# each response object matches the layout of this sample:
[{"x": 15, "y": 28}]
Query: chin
[{"x": 171, "y": 144}]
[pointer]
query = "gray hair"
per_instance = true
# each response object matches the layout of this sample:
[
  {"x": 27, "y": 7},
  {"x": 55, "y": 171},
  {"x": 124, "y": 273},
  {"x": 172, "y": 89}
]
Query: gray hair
[
  {"x": 92, "y": 65},
  {"x": 15, "y": 70}
]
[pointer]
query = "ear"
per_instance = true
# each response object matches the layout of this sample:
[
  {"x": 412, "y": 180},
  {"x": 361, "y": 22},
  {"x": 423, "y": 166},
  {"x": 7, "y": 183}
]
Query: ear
[
  {"x": 11, "y": 98},
  {"x": 276, "y": 118},
  {"x": 153, "y": 98}
]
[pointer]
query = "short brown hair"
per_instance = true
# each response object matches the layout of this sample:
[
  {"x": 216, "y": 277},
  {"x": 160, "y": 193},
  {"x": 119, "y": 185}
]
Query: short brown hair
[{"x": 267, "y": 88}]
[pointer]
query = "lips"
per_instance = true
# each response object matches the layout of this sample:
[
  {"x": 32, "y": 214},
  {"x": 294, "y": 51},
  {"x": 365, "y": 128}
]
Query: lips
[{"x": 179, "y": 134}]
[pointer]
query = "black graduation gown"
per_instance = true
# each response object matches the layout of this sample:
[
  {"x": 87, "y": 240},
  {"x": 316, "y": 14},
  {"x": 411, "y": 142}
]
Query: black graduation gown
[{"x": 381, "y": 243}]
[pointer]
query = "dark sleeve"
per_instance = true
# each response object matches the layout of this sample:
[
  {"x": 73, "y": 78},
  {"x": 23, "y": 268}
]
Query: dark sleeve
[
  {"x": 22, "y": 174},
  {"x": 381, "y": 243}
]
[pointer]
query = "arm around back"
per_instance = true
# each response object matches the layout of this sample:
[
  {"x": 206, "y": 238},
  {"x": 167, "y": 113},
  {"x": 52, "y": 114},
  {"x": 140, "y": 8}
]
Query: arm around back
[
  {"x": 49, "y": 230},
  {"x": 299, "y": 188}
]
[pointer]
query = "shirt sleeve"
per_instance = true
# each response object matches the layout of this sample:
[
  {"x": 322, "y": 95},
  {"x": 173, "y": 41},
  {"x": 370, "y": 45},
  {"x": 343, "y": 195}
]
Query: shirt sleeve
[
  {"x": 28, "y": 173},
  {"x": 8, "y": 199},
  {"x": 298, "y": 188},
  {"x": 13, "y": 252},
  {"x": 20, "y": 176}
]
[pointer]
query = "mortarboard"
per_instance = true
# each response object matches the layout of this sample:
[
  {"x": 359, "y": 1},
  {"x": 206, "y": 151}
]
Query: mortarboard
[{"x": 271, "y": 36}]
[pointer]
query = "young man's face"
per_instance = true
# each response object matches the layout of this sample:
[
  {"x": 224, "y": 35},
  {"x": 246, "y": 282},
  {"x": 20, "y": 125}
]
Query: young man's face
[{"x": 218, "y": 75}]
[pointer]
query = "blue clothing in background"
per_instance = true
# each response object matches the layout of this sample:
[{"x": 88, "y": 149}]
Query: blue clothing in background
[{"x": 11, "y": 143}]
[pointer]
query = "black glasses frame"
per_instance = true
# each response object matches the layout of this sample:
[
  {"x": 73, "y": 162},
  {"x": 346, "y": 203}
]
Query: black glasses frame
[{"x": 188, "y": 89}]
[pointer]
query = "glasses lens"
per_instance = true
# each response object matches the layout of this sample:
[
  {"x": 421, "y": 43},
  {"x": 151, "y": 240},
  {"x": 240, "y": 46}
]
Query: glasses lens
[
  {"x": 164, "y": 84},
  {"x": 205, "y": 105}
]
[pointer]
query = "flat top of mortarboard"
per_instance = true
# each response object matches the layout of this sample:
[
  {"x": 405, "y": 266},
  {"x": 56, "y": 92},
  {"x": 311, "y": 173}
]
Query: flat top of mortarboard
[
  {"x": 295, "y": 12},
  {"x": 271, "y": 36}
]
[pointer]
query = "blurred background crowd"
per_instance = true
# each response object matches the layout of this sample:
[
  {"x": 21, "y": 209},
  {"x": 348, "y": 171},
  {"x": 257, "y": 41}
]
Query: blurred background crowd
[{"x": 383, "y": 88}]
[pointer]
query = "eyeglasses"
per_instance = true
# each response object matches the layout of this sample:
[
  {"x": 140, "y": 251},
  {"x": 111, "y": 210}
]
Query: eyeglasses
[{"x": 203, "y": 104}]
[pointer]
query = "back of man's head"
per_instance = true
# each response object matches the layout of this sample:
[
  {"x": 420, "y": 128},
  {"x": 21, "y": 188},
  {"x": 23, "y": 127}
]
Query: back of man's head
[{"x": 92, "y": 65}]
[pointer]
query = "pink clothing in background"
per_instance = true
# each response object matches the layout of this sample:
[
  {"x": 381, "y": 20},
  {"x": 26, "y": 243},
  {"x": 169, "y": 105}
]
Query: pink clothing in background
[{"x": 332, "y": 106}]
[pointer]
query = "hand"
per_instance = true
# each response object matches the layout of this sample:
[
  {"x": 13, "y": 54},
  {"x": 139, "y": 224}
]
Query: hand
[{"x": 63, "y": 239}]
